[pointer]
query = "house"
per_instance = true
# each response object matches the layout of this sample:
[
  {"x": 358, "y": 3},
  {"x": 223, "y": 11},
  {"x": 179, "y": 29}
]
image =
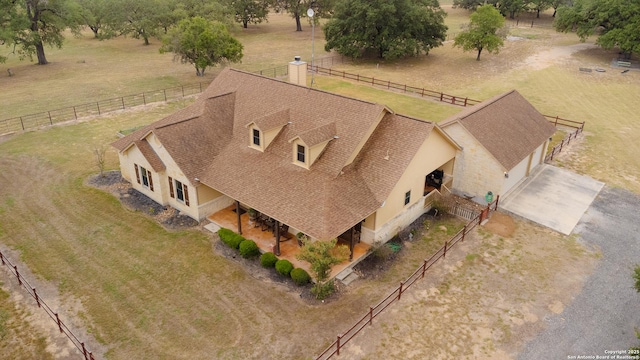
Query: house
[
  {"x": 503, "y": 140},
  {"x": 322, "y": 164}
]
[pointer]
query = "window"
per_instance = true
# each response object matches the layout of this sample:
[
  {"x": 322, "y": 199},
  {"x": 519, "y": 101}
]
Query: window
[
  {"x": 407, "y": 197},
  {"x": 256, "y": 137},
  {"x": 143, "y": 176},
  {"x": 181, "y": 193},
  {"x": 301, "y": 153}
]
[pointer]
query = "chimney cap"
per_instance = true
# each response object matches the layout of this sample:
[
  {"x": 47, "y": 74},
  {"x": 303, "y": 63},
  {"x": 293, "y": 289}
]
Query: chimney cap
[{"x": 297, "y": 58}]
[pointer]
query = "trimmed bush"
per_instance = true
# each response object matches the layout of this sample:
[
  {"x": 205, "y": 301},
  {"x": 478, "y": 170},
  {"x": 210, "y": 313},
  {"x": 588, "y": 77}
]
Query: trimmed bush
[
  {"x": 230, "y": 238},
  {"x": 284, "y": 267},
  {"x": 268, "y": 260},
  {"x": 248, "y": 249},
  {"x": 300, "y": 276}
]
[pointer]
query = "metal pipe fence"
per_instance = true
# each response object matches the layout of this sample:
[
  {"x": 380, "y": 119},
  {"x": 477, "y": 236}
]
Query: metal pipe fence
[
  {"x": 76, "y": 112},
  {"x": 395, "y": 295},
  {"x": 64, "y": 329}
]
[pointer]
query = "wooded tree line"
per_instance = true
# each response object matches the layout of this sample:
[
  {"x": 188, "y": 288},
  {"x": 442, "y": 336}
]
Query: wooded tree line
[
  {"x": 383, "y": 28},
  {"x": 26, "y": 26}
]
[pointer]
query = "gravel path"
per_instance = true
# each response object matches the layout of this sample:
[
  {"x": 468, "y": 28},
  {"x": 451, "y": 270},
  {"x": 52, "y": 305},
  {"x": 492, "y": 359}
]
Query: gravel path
[{"x": 603, "y": 316}]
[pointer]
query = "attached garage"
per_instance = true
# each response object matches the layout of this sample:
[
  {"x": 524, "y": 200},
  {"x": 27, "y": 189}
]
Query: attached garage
[{"x": 503, "y": 141}]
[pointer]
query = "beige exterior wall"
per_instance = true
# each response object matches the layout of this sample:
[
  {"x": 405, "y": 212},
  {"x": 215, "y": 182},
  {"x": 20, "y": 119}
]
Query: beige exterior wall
[
  {"x": 160, "y": 180},
  {"x": 270, "y": 135},
  {"x": 298, "y": 73},
  {"x": 133, "y": 156},
  {"x": 517, "y": 174},
  {"x": 435, "y": 152},
  {"x": 476, "y": 170}
]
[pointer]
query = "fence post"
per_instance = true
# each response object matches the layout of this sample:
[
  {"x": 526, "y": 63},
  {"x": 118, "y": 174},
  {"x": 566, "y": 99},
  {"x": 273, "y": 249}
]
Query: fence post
[
  {"x": 122, "y": 101},
  {"x": 453, "y": 100},
  {"x": 75, "y": 115},
  {"x": 465, "y": 101},
  {"x": 464, "y": 232},
  {"x": 84, "y": 351},
  {"x": 144, "y": 99},
  {"x": 441, "y": 94},
  {"x": 98, "y": 106},
  {"x": 22, "y": 123},
  {"x": 164, "y": 91},
  {"x": 2, "y": 258},
  {"x": 556, "y": 123},
  {"x": 422, "y": 93},
  {"x": 36, "y": 296},
  {"x": 373, "y": 80},
  {"x": 370, "y": 315},
  {"x": 50, "y": 120},
  {"x": 400, "y": 290},
  {"x": 17, "y": 274},
  {"x": 444, "y": 254},
  {"x": 338, "y": 344},
  {"x": 424, "y": 268},
  {"x": 59, "y": 322}
]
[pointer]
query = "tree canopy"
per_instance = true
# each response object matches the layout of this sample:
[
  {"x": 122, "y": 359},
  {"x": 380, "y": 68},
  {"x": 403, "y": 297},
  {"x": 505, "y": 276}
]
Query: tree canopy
[
  {"x": 298, "y": 9},
  {"x": 250, "y": 11},
  {"x": 482, "y": 32},
  {"x": 322, "y": 255},
  {"x": 616, "y": 21},
  {"x": 28, "y": 25},
  {"x": 390, "y": 28},
  {"x": 202, "y": 43}
]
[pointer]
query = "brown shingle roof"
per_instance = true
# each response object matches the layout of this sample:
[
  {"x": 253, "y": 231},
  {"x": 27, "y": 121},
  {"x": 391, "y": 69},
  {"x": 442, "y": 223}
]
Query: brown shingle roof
[
  {"x": 507, "y": 125},
  {"x": 152, "y": 157},
  {"x": 318, "y": 135},
  {"x": 272, "y": 121},
  {"x": 209, "y": 140}
]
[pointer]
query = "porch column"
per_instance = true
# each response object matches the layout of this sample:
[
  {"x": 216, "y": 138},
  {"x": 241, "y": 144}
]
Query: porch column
[
  {"x": 277, "y": 225},
  {"x": 238, "y": 213},
  {"x": 351, "y": 242}
]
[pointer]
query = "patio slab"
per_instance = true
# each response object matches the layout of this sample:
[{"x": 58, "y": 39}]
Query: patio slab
[{"x": 554, "y": 197}]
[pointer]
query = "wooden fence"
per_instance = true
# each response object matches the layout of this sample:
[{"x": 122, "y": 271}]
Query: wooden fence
[
  {"x": 43, "y": 305},
  {"x": 48, "y": 118},
  {"x": 389, "y": 85},
  {"x": 558, "y": 148},
  {"x": 395, "y": 295}
]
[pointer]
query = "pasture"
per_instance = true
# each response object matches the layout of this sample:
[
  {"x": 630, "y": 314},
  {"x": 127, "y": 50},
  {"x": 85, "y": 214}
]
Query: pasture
[{"x": 145, "y": 292}]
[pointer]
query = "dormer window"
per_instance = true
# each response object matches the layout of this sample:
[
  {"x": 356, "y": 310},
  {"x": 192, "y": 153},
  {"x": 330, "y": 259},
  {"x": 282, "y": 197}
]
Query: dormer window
[
  {"x": 301, "y": 153},
  {"x": 256, "y": 137}
]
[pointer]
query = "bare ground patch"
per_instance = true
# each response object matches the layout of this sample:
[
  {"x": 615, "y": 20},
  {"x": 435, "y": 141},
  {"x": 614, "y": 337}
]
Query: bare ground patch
[{"x": 491, "y": 294}]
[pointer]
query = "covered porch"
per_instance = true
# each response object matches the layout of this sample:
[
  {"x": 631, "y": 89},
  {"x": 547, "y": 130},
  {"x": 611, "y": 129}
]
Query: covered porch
[{"x": 264, "y": 231}]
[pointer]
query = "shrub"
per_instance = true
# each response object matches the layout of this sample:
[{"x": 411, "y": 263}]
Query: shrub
[
  {"x": 284, "y": 267},
  {"x": 323, "y": 291},
  {"x": 300, "y": 276},
  {"x": 248, "y": 249},
  {"x": 230, "y": 238},
  {"x": 268, "y": 260}
]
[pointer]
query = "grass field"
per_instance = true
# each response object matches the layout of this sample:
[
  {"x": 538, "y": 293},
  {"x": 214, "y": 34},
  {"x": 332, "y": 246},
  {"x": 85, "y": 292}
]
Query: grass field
[{"x": 147, "y": 293}]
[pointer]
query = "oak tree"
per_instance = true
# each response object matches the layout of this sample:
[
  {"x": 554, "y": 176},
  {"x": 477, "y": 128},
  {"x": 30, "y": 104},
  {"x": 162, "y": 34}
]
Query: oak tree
[
  {"x": 483, "y": 31},
  {"x": 615, "y": 21},
  {"x": 202, "y": 43},
  {"x": 389, "y": 28}
]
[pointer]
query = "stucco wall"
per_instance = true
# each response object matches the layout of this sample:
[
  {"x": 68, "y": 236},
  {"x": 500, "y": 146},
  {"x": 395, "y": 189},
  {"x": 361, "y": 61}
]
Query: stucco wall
[
  {"x": 391, "y": 228},
  {"x": 160, "y": 180},
  {"x": 476, "y": 171},
  {"x": 433, "y": 153}
]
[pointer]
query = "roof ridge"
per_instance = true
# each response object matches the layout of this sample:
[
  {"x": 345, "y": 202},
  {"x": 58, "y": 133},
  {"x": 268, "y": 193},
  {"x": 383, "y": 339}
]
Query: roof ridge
[
  {"x": 484, "y": 104},
  {"x": 305, "y": 87}
]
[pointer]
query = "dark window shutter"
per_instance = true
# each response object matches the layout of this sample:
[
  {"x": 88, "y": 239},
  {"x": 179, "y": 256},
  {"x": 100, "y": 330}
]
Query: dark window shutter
[
  {"x": 186, "y": 194},
  {"x": 137, "y": 173},
  {"x": 171, "y": 187},
  {"x": 150, "y": 180}
]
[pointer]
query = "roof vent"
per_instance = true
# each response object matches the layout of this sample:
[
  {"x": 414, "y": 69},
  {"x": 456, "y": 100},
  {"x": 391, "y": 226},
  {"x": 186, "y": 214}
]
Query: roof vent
[{"x": 296, "y": 58}]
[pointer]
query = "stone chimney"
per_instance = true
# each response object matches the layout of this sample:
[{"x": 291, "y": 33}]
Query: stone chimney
[{"x": 298, "y": 72}]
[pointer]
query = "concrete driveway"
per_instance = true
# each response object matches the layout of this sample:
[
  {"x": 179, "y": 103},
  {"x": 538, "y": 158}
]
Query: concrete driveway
[{"x": 554, "y": 197}]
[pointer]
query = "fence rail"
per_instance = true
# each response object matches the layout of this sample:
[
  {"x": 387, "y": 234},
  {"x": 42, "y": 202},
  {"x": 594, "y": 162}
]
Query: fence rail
[
  {"x": 396, "y": 294},
  {"x": 88, "y": 355},
  {"x": 51, "y": 117},
  {"x": 389, "y": 85},
  {"x": 558, "y": 148}
]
